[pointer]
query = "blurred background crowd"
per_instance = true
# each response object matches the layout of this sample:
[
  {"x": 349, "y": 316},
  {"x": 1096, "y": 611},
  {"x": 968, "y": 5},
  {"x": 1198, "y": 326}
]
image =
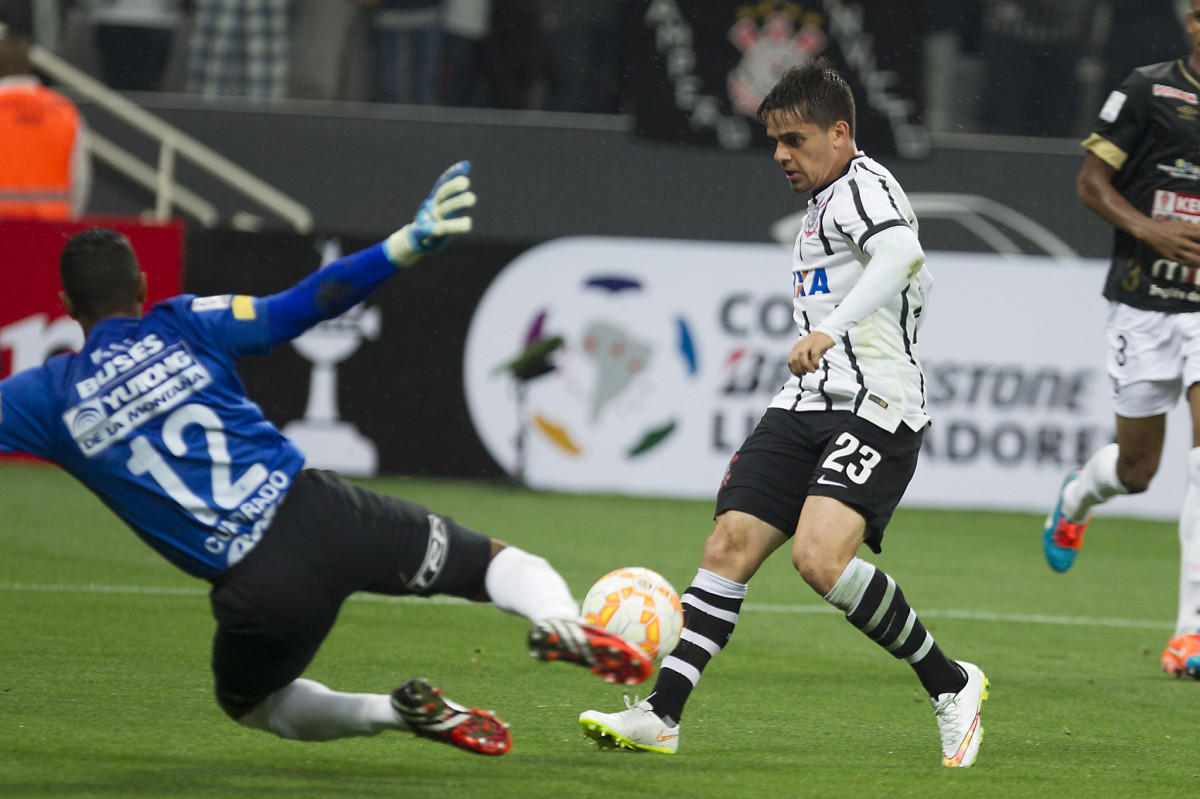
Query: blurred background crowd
[{"x": 1022, "y": 67}]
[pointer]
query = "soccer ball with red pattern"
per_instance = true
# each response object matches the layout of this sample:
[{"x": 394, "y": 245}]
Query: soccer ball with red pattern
[{"x": 639, "y": 605}]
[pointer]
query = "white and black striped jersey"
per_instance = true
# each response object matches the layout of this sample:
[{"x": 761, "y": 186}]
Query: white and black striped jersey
[{"x": 873, "y": 369}]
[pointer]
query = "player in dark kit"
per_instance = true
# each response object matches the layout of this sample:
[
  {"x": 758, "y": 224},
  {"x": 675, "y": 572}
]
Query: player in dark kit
[
  {"x": 1142, "y": 176},
  {"x": 151, "y": 416}
]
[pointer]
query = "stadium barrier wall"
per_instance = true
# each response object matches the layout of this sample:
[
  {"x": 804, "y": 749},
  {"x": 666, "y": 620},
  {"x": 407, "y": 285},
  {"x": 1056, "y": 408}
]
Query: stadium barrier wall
[{"x": 671, "y": 350}]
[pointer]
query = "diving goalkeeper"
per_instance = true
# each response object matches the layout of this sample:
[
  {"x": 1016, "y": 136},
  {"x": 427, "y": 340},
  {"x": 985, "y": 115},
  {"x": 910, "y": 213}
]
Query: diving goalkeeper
[{"x": 150, "y": 415}]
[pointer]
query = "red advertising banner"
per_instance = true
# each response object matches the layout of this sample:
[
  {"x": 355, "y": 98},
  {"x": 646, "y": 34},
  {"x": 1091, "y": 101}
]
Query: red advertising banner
[{"x": 33, "y": 324}]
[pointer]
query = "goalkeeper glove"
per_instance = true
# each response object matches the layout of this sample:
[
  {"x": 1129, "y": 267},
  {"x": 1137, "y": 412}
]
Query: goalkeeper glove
[{"x": 438, "y": 219}]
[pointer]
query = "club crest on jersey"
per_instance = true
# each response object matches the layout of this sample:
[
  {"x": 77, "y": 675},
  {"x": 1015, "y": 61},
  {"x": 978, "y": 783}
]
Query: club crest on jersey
[
  {"x": 818, "y": 285},
  {"x": 812, "y": 220}
]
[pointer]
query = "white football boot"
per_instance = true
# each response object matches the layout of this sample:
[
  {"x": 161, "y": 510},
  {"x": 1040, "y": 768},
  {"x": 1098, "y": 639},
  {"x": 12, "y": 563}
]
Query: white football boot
[
  {"x": 639, "y": 728},
  {"x": 958, "y": 718}
]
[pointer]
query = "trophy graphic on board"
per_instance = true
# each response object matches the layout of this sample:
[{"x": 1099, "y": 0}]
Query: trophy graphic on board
[{"x": 326, "y": 440}]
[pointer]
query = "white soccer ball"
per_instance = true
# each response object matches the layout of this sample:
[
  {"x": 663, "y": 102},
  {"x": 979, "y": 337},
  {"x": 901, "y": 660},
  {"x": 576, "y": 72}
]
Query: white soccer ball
[{"x": 639, "y": 605}]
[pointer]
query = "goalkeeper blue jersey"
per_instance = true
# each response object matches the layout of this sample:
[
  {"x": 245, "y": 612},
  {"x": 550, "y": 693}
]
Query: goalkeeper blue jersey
[{"x": 153, "y": 418}]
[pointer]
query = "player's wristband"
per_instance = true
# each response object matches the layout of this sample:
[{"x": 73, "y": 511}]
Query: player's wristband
[{"x": 399, "y": 249}]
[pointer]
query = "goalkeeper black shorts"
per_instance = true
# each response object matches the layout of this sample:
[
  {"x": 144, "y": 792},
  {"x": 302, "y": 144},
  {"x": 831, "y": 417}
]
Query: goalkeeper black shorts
[{"x": 329, "y": 539}]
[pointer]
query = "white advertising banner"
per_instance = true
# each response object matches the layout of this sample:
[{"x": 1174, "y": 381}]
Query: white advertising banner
[{"x": 671, "y": 350}]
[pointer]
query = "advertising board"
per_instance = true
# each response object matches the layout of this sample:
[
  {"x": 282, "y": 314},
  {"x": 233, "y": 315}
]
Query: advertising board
[{"x": 671, "y": 350}]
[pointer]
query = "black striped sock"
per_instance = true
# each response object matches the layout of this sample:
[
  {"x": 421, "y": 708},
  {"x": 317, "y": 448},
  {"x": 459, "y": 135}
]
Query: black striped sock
[
  {"x": 885, "y": 616},
  {"x": 708, "y": 622}
]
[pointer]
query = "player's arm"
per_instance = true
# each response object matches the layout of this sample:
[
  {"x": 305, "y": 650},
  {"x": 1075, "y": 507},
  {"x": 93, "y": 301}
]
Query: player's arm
[
  {"x": 342, "y": 284},
  {"x": 896, "y": 256},
  {"x": 1174, "y": 239}
]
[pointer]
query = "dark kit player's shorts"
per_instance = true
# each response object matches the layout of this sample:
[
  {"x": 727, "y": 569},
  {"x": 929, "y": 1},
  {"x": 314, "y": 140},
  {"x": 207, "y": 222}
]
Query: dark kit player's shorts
[
  {"x": 328, "y": 540},
  {"x": 792, "y": 454}
]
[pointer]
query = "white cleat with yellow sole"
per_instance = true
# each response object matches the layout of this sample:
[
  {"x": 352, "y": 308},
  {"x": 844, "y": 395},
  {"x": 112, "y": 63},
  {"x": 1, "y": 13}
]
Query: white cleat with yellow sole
[
  {"x": 958, "y": 719},
  {"x": 638, "y": 729}
]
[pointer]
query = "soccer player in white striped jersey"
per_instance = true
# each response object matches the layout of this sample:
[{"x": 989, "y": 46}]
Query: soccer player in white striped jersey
[{"x": 835, "y": 450}]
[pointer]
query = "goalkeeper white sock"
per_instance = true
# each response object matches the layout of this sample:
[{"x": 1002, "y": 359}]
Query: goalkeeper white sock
[
  {"x": 527, "y": 585},
  {"x": 1097, "y": 483},
  {"x": 1188, "y": 620},
  {"x": 305, "y": 710}
]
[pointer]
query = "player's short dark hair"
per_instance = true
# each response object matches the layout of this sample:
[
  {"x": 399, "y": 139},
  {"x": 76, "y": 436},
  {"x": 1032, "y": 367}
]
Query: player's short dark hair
[
  {"x": 100, "y": 273},
  {"x": 814, "y": 90}
]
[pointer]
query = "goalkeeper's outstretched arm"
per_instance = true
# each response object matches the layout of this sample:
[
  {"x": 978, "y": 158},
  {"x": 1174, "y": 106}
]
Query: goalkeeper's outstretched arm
[{"x": 342, "y": 284}]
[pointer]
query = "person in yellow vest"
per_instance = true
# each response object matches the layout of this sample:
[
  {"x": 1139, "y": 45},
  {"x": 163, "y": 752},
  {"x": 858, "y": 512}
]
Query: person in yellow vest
[{"x": 45, "y": 170}]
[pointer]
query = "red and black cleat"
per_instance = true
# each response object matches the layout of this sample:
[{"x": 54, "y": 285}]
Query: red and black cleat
[
  {"x": 601, "y": 652},
  {"x": 431, "y": 715}
]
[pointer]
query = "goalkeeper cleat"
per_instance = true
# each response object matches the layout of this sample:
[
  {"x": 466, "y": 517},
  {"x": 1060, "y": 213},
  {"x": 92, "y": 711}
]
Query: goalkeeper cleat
[
  {"x": 572, "y": 641},
  {"x": 1181, "y": 658},
  {"x": 431, "y": 715},
  {"x": 638, "y": 728},
  {"x": 958, "y": 718},
  {"x": 1061, "y": 537}
]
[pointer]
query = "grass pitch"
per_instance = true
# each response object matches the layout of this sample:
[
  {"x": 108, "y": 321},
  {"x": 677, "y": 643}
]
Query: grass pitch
[{"x": 105, "y": 689}]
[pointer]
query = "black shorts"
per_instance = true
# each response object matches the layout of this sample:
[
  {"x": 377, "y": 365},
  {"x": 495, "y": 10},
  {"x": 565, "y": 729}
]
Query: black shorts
[
  {"x": 329, "y": 539},
  {"x": 791, "y": 455}
]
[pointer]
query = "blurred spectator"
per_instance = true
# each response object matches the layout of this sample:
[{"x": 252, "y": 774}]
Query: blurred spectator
[
  {"x": 583, "y": 50},
  {"x": 17, "y": 16},
  {"x": 239, "y": 48},
  {"x": 41, "y": 20},
  {"x": 406, "y": 50},
  {"x": 133, "y": 38},
  {"x": 952, "y": 30},
  {"x": 465, "y": 25},
  {"x": 1032, "y": 49},
  {"x": 329, "y": 50},
  {"x": 45, "y": 169},
  {"x": 1140, "y": 32},
  {"x": 514, "y": 64}
]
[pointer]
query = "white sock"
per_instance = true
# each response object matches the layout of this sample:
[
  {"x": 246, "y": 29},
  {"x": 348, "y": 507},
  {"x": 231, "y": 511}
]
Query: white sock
[
  {"x": 1188, "y": 621},
  {"x": 527, "y": 585},
  {"x": 721, "y": 586},
  {"x": 849, "y": 588},
  {"x": 1096, "y": 484},
  {"x": 305, "y": 710}
]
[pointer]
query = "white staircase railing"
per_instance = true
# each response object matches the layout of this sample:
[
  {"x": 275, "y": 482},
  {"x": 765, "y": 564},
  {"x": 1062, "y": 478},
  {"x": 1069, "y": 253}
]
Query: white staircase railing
[{"x": 173, "y": 144}]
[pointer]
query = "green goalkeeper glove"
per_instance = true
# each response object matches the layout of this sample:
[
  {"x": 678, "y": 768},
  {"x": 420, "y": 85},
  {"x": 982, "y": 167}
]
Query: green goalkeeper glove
[{"x": 438, "y": 219}]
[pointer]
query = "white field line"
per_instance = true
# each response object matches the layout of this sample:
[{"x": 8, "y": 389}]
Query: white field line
[{"x": 950, "y": 613}]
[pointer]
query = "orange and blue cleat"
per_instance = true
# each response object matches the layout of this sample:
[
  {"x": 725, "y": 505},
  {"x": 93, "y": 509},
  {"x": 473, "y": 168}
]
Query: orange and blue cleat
[
  {"x": 1181, "y": 658},
  {"x": 1061, "y": 537}
]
